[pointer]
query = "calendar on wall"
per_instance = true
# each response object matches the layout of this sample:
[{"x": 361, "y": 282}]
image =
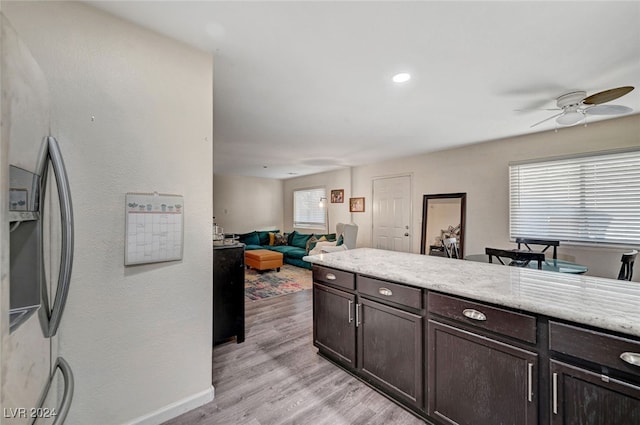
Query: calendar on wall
[{"x": 154, "y": 228}]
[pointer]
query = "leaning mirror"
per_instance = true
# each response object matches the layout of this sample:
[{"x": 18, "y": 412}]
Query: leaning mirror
[{"x": 443, "y": 217}]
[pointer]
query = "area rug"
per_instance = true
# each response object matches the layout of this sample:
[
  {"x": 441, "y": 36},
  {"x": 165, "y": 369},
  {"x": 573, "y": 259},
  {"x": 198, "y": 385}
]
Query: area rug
[{"x": 271, "y": 283}]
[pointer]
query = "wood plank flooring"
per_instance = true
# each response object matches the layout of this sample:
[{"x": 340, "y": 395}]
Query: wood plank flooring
[{"x": 277, "y": 377}]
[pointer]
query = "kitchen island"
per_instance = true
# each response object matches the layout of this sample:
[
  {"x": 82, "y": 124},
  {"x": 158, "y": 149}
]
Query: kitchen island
[{"x": 472, "y": 343}]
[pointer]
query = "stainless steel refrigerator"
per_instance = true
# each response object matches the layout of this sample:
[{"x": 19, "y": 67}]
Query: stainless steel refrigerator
[{"x": 37, "y": 383}]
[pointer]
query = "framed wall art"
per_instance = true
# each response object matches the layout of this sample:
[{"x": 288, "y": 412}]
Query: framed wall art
[
  {"x": 356, "y": 204},
  {"x": 337, "y": 196}
]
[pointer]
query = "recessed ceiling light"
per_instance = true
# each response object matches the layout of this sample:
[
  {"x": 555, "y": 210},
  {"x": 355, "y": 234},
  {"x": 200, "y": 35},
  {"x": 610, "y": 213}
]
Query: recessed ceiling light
[{"x": 401, "y": 78}]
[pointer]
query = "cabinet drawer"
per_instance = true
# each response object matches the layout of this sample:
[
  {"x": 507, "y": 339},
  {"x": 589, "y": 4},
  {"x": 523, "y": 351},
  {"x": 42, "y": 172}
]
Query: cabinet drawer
[
  {"x": 334, "y": 277},
  {"x": 603, "y": 349},
  {"x": 392, "y": 292},
  {"x": 505, "y": 322}
]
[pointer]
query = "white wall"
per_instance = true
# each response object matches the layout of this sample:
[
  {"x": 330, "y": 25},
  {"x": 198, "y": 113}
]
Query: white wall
[
  {"x": 243, "y": 204},
  {"x": 132, "y": 111},
  {"x": 338, "y": 213},
  {"x": 481, "y": 170}
]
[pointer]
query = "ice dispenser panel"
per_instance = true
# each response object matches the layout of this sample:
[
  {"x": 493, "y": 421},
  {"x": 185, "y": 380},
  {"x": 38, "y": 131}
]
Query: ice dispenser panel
[{"x": 25, "y": 249}]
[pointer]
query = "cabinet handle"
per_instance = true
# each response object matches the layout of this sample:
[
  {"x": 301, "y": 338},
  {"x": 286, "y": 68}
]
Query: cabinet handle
[
  {"x": 357, "y": 315},
  {"x": 331, "y": 276},
  {"x": 530, "y": 380},
  {"x": 631, "y": 358},
  {"x": 474, "y": 314},
  {"x": 555, "y": 393},
  {"x": 350, "y": 304},
  {"x": 385, "y": 291}
]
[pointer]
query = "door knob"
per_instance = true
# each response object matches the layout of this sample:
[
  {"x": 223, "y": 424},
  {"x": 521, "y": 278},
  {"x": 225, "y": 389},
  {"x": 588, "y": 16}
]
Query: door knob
[{"x": 406, "y": 234}]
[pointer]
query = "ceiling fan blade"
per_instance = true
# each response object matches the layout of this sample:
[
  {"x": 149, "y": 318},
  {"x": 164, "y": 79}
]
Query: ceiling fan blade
[
  {"x": 608, "y": 110},
  {"x": 607, "y": 95},
  {"x": 537, "y": 109},
  {"x": 547, "y": 119}
]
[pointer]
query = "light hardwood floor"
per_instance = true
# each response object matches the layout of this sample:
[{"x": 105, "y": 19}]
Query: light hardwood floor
[{"x": 277, "y": 377}]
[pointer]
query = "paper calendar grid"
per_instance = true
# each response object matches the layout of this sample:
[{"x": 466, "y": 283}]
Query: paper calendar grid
[{"x": 154, "y": 228}]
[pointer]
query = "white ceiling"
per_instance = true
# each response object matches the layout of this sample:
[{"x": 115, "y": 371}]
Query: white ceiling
[{"x": 303, "y": 87}]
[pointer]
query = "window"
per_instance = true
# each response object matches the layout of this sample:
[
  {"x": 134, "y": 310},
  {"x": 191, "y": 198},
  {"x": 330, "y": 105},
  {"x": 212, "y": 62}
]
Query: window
[
  {"x": 306, "y": 209},
  {"x": 586, "y": 199}
]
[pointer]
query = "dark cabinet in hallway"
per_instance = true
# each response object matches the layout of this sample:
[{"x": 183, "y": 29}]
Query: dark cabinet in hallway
[{"x": 228, "y": 293}]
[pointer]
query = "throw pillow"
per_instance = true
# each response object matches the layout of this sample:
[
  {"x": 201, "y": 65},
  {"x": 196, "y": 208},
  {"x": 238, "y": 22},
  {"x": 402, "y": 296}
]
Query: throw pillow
[
  {"x": 320, "y": 245},
  {"x": 311, "y": 243},
  {"x": 340, "y": 240},
  {"x": 263, "y": 235},
  {"x": 279, "y": 239},
  {"x": 272, "y": 238}
]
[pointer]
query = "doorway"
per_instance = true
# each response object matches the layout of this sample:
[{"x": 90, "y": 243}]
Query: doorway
[{"x": 392, "y": 213}]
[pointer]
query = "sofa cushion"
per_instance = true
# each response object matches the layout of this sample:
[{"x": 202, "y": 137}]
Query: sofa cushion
[
  {"x": 250, "y": 238},
  {"x": 289, "y": 251},
  {"x": 263, "y": 235},
  {"x": 299, "y": 240}
]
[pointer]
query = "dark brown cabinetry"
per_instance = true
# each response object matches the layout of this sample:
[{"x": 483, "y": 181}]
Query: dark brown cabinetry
[
  {"x": 598, "y": 383},
  {"x": 582, "y": 397},
  {"x": 474, "y": 380},
  {"x": 390, "y": 347},
  {"x": 376, "y": 333},
  {"x": 471, "y": 357},
  {"x": 334, "y": 330},
  {"x": 228, "y": 293},
  {"x": 453, "y": 360}
]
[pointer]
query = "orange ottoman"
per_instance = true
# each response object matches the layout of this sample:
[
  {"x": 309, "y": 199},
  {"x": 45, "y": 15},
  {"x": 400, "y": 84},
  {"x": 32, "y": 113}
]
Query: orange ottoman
[{"x": 263, "y": 259}]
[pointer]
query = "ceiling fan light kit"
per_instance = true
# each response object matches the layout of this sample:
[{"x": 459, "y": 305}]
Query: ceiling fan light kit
[
  {"x": 570, "y": 118},
  {"x": 575, "y": 106}
]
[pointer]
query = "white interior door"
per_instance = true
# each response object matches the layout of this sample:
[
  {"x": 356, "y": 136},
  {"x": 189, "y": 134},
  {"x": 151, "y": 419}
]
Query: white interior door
[{"x": 392, "y": 213}]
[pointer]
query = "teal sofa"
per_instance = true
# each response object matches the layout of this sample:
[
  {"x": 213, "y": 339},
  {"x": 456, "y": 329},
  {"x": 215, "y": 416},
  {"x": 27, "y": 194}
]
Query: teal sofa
[{"x": 297, "y": 244}]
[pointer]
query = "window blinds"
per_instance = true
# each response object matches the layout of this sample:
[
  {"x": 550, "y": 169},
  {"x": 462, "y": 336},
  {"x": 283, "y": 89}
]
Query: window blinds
[
  {"x": 588, "y": 199},
  {"x": 306, "y": 209}
]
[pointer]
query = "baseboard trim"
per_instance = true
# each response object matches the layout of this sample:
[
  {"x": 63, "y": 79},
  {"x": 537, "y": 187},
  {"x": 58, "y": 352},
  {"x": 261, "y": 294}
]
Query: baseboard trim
[{"x": 175, "y": 409}]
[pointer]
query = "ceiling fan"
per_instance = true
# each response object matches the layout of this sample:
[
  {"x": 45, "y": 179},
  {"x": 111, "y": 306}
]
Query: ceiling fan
[{"x": 576, "y": 105}]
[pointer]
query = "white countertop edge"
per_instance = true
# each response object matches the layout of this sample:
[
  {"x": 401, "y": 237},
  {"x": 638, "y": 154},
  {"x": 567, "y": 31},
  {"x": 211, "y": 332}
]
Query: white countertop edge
[{"x": 603, "y": 303}]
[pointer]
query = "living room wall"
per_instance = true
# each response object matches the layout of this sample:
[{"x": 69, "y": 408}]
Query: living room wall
[
  {"x": 481, "y": 170},
  {"x": 243, "y": 204},
  {"x": 338, "y": 212}
]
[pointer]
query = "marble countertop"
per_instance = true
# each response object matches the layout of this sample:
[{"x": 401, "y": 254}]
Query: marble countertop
[{"x": 604, "y": 303}]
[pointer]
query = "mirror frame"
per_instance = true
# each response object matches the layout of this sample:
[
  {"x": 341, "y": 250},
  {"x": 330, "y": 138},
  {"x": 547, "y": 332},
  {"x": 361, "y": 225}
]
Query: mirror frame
[{"x": 463, "y": 213}]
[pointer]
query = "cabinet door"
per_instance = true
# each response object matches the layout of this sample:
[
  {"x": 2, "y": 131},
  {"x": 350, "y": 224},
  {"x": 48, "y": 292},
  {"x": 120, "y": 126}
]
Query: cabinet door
[
  {"x": 228, "y": 294},
  {"x": 474, "y": 380},
  {"x": 390, "y": 349},
  {"x": 334, "y": 330},
  {"x": 581, "y": 397}
]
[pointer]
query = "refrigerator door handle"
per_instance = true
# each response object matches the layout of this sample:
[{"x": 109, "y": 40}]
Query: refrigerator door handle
[
  {"x": 66, "y": 219},
  {"x": 67, "y": 395}
]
